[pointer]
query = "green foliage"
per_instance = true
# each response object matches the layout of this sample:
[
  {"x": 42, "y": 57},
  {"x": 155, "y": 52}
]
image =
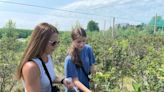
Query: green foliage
[
  {"x": 92, "y": 26},
  {"x": 130, "y": 62},
  {"x": 132, "y": 54},
  {"x": 10, "y": 29},
  {"x": 159, "y": 21},
  {"x": 9, "y": 47},
  {"x": 137, "y": 87},
  {"x": 21, "y": 33}
]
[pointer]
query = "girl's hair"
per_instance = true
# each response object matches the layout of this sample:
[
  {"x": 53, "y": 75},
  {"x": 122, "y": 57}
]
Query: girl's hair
[
  {"x": 37, "y": 44},
  {"x": 73, "y": 51}
]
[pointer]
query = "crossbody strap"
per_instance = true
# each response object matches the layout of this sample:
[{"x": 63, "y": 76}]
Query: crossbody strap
[
  {"x": 47, "y": 73},
  {"x": 85, "y": 73}
]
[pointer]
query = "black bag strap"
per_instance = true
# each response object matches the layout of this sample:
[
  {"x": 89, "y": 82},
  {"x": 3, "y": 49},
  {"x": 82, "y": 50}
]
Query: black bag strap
[
  {"x": 47, "y": 73},
  {"x": 85, "y": 73}
]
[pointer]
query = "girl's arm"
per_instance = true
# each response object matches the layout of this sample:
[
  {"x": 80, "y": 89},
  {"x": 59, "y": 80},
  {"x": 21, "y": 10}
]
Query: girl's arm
[{"x": 80, "y": 85}]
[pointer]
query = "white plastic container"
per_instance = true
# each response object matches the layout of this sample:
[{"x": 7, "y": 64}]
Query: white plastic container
[{"x": 74, "y": 89}]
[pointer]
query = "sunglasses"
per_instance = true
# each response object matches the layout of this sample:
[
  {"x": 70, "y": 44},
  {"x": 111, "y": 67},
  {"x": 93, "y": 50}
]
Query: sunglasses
[{"x": 54, "y": 43}]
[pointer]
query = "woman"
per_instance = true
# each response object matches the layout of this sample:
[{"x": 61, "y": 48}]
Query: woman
[
  {"x": 79, "y": 61},
  {"x": 43, "y": 42}
]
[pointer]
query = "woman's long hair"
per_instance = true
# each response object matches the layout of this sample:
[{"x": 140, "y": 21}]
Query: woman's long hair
[
  {"x": 73, "y": 51},
  {"x": 37, "y": 44}
]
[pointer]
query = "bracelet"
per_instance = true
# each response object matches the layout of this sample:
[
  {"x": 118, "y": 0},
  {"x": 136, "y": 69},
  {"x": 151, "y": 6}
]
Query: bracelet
[{"x": 62, "y": 81}]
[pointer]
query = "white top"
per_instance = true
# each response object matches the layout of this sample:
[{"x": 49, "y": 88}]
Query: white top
[{"x": 45, "y": 83}]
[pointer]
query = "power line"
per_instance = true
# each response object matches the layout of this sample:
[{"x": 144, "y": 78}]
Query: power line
[
  {"x": 77, "y": 12},
  {"x": 38, "y": 13},
  {"x": 99, "y": 7},
  {"x": 56, "y": 15},
  {"x": 38, "y": 6}
]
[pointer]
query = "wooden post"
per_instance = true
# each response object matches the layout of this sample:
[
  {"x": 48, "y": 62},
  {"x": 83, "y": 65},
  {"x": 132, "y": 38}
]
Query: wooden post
[
  {"x": 104, "y": 26},
  {"x": 113, "y": 27},
  {"x": 155, "y": 23}
]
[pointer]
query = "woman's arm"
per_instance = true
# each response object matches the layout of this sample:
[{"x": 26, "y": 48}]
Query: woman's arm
[
  {"x": 31, "y": 76},
  {"x": 60, "y": 80},
  {"x": 57, "y": 79},
  {"x": 80, "y": 85}
]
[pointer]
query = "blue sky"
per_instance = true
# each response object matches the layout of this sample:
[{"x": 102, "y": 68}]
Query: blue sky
[{"x": 66, "y": 13}]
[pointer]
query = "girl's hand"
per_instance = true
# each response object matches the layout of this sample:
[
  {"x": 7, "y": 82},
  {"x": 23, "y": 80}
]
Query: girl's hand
[{"x": 69, "y": 84}]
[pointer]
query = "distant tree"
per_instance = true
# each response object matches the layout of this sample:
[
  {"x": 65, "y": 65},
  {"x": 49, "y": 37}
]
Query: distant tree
[
  {"x": 92, "y": 26},
  {"x": 10, "y": 24},
  {"x": 141, "y": 26},
  {"x": 8, "y": 57},
  {"x": 77, "y": 24},
  {"x": 156, "y": 21},
  {"x": 23, "y": 33},
  {"x": 10, "y": 29},
  {"x": 159, "y": 21}
]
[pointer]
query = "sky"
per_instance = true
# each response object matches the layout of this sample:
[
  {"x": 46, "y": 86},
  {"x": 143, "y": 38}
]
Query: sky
[{"x": 65, "y": 14}]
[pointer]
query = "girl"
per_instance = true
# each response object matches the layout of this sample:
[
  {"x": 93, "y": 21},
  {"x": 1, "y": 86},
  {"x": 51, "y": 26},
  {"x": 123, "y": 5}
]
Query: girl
[{"x": 79, "y": 61}]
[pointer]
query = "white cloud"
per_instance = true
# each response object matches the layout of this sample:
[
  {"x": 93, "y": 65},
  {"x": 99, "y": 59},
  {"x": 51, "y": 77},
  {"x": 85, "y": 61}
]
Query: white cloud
[
  {"x": 23, "y": 20},
  {"x": 3, "y": 2},
  {"x": 130, "y": 11},
  {"x": 96, "y": 4},
  {"x": 85, "y": 4},
  {"x": 133, "y": 10}
]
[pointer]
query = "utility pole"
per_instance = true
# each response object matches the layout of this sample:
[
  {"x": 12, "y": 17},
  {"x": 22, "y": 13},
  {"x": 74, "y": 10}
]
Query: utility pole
[
  {"x": 113, "y": 27},
  {"x": 155, "y": 23},
  {"x": 104, "y": 26}
]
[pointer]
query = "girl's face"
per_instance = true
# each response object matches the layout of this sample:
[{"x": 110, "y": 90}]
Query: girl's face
[
  {"x": 52, "y": 43},
  {"x": 79, "y": 42}
]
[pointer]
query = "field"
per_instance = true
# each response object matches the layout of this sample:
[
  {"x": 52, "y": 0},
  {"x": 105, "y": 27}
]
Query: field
[{"x": 130, "y": 61}]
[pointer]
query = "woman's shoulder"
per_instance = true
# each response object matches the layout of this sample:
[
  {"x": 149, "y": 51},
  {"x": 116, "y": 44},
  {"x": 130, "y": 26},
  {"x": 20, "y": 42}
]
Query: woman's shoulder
[
  {"x": 30, "y": 67},
  {"x": 30, "y": 72}
]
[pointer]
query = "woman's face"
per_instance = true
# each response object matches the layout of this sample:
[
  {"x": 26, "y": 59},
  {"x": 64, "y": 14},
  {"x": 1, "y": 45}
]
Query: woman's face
[
  {"x": 79, "y": 42},
  {"x": 52, "y": 43}
]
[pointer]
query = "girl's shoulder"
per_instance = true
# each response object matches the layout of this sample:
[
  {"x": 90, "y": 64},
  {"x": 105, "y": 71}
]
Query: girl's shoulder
[
  {"x": 87, "y": 46},
  {"x": 68, "y": 58}
]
